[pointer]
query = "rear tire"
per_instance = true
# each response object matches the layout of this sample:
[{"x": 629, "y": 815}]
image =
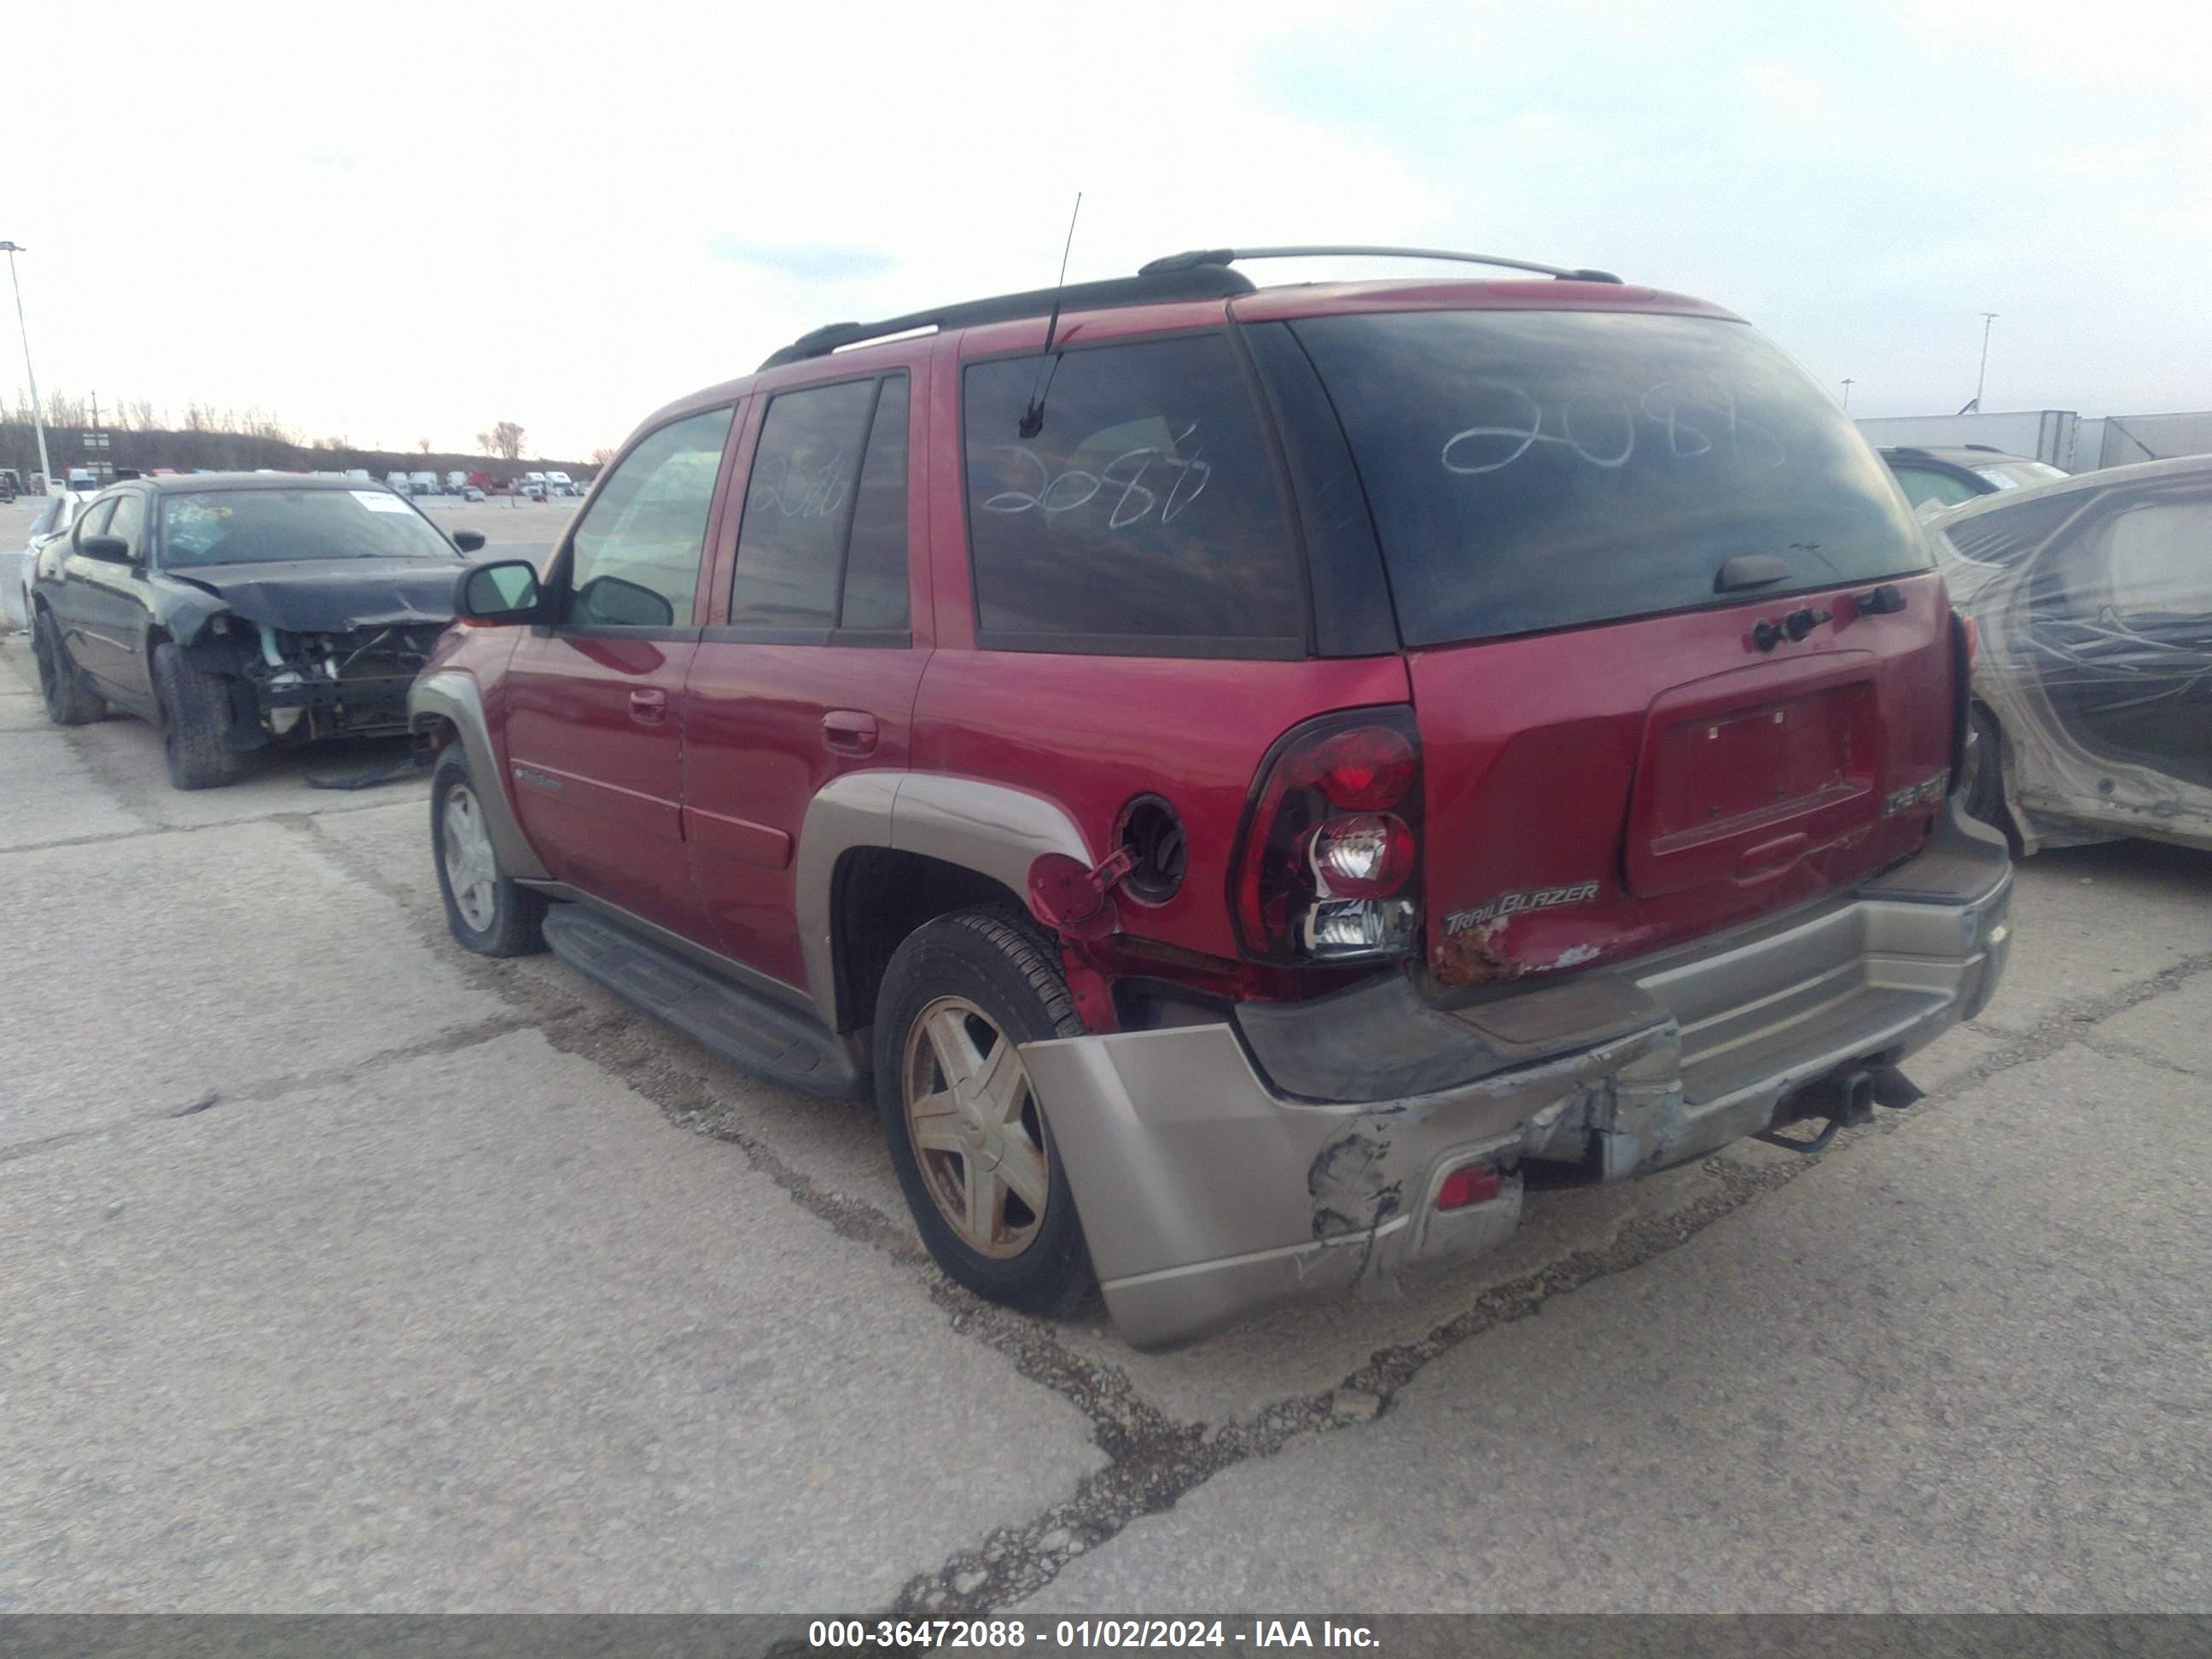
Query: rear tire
[
  {"x": 195, "y": 718},
  {"x": 70, "y": 701},
  {"x": 485, "y": 910},
  {"x": 966, "y": 1134}
]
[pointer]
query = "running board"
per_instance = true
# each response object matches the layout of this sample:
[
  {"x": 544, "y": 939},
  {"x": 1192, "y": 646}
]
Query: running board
[{"x": 744, "y": 1028}]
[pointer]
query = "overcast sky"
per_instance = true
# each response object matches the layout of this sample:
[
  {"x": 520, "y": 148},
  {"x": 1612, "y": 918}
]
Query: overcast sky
[{"x": 413, "y": 224}]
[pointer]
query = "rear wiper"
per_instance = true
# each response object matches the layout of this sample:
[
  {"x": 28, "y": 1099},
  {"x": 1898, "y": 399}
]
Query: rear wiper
[{"x": 1751, "y": 570}]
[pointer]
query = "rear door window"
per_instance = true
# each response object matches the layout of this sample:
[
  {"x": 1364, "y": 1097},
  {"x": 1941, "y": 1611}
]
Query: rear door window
[
  {"x": 1145, "y": 517},
  {"x": 1543, "y": 470},
  {"x": 822, "y": 543},
  {"x": 798, "y": 505}
]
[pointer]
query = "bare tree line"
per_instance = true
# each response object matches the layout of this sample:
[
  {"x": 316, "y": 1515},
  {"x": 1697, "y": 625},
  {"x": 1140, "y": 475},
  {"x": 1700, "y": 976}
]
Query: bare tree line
[{"x": 143, "y": 435}]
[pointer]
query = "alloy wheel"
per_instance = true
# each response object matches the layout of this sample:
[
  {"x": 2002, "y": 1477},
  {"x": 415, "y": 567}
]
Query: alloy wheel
[
  {"x": 976, "y": 1130},
  {"x": 471, "y": 868}
]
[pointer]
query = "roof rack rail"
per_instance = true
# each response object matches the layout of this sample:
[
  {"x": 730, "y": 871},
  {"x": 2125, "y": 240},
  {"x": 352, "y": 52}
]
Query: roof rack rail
[
  {"x": 1216, "y": 258},
  {"x": 1148, "y": 287}
]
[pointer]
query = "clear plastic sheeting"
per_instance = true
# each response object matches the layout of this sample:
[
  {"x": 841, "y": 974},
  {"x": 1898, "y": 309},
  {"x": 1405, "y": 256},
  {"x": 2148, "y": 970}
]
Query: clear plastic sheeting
[{"x": 2093, "y": 602}]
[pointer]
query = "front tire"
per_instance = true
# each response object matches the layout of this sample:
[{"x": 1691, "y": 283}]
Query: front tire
[
  {"x": 485, "y": 910},
  {"x": 70, "y": 701},
  {"x": 967, "y": 1133},
  {"x": 195, "y": 720}
]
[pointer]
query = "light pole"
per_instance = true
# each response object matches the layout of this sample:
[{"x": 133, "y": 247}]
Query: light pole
[
  {"x": 1988, "y": 317},
  {"x": 1847, "y": 392},
  {"x": 38, "y": 420}
]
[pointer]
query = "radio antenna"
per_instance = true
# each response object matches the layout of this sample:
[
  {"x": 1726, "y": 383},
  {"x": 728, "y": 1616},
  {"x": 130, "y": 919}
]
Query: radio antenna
[{"x": 1033, "y": 417}]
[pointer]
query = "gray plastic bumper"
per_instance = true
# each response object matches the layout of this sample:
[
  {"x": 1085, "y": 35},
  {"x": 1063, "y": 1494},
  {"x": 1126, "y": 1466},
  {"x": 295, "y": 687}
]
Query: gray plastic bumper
[{"x": 1206, "y": 1191}]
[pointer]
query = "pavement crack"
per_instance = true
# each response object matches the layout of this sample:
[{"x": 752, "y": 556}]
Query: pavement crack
[
  {"x": 2113, "y": 1048},
  {"x": 1156, "y": 1462},
  {"x": 1160, "y": 1462},
  {"x": 446, "y": 1042},
  {"x": 107, "y": 837}
]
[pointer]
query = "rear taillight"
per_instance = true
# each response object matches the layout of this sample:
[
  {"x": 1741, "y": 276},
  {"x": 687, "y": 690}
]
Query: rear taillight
[
  {"x": 1973, "y": 639},
  {"x": 1470, "y": 1183},
  {"x": 1327, "y": 870}
]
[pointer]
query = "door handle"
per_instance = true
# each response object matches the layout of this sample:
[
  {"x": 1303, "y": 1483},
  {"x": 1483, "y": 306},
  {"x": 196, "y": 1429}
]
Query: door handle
[
  {"x": 648, "y": 708},
  {"x": 849, "y": 732}
]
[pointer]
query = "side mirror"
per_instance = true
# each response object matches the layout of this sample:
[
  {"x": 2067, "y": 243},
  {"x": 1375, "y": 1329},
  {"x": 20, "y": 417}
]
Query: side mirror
[
  {"x": 504, "y": 592},
  {"x": 112, "y": 548},
  {"x": 468, "y": 541}
]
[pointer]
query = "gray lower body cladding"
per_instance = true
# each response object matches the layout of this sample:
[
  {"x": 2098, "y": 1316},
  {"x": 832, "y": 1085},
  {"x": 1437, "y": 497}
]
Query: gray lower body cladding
[{"x": 1208, "y": 1190}]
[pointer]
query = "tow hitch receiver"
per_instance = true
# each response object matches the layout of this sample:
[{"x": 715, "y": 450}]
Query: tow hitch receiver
[{"x": 1846, "y": 1100}]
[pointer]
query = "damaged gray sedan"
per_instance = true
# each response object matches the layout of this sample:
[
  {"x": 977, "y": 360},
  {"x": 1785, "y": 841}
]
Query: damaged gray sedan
[
  {"x": 2092, "y": 683},
  {"x": 239, "y": 611}
]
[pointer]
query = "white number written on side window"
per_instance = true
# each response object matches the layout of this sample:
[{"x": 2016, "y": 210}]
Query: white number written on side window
[{"x": 804, "y": 493}]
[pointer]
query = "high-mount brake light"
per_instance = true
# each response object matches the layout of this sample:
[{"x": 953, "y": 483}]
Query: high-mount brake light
[{"x": 1327, "y": 869}]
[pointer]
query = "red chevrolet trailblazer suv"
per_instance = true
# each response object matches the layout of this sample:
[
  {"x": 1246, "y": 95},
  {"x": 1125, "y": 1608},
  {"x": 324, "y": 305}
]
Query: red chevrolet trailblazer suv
[{"x": 1239, "y": 772}]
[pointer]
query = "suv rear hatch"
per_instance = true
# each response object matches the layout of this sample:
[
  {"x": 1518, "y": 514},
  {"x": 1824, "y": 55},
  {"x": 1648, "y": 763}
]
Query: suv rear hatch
[{"x": 1677, "y": 654}]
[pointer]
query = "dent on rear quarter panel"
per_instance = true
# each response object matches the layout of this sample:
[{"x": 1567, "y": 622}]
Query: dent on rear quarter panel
[{"x": 1091, "y": 732}]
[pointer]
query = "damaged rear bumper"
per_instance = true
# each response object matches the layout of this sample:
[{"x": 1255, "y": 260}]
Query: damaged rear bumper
[{"x": 1208, "y": 1188}]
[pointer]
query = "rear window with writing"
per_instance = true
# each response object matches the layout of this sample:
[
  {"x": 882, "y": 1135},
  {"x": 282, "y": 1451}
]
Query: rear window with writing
[
  {"x": 1539, "y": 470},
  {"x": 1145, "y": 514}
]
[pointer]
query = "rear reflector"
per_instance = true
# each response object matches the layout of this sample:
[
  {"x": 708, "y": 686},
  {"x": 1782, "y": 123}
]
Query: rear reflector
[{"x": 1471, "y": 1183}]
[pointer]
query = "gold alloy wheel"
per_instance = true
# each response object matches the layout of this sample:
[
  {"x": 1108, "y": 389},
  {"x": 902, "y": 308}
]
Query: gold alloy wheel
[{"x": 974, "y": 1123}]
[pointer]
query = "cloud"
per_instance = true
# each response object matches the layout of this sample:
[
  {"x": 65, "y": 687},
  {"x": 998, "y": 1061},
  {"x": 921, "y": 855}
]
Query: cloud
[
  {"x": 810, "y": 262},
  {"x": 572, "y": 235}
]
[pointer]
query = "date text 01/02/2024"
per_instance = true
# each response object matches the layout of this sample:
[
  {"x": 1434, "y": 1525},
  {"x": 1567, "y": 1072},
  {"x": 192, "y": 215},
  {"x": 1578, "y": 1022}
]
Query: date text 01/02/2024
[{"x": 827, "y": 1635}]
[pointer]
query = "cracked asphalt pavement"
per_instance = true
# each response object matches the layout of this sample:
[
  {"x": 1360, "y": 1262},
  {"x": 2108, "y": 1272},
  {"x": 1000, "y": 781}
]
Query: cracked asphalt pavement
[{"x": 341, "y": 1270}]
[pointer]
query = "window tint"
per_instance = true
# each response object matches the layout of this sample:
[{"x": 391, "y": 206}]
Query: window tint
[
  {"x": 637, "y": 549},
  {"x": 1535, "y": 470},
  {"x": 1145, "y": 515},
  {"x": 129, "y": 521},
  {"x": 799, "y": 507},
  {"x": 1921, "y": 485},
  {"x": 875, "y": 561}
]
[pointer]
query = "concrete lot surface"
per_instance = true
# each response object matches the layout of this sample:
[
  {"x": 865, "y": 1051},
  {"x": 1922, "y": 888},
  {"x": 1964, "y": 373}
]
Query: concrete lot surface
[{"x": 340, "y": 1269}]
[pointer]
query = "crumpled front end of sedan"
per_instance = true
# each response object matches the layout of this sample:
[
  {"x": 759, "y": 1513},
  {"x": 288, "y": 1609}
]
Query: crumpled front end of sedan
[{"x": 286, "y": 685}]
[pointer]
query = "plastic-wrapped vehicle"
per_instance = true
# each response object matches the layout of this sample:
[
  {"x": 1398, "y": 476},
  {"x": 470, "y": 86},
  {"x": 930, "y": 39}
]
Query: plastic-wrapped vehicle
[{"x": 2093, "y": 683}]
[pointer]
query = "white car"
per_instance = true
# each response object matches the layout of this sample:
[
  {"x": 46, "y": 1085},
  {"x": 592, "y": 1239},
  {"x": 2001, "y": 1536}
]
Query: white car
[{"x": 54, "y": 519}]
